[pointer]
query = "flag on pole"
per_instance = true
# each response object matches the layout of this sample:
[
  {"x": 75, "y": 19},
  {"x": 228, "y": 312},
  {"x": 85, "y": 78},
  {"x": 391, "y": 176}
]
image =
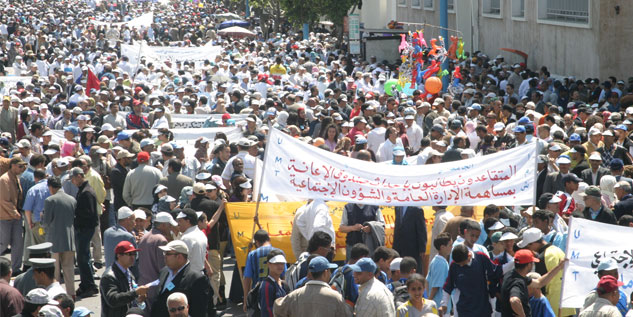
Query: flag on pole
[{"x": 93, "y": 82}]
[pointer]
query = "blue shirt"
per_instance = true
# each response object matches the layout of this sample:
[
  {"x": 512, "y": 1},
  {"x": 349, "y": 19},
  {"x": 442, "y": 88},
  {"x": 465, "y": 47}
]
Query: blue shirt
[
  {"x": 170, "y": 276},
  {"x": 541, "y": 307},
  {"x": 257, "y": 264},
  {"x": 438, "y": 271},
  {"x": 34, "y": 200},
  {"x": 557, "y": 239},
  {"x": 483, "y": 236},
  {"x": 27, "y": 180}
]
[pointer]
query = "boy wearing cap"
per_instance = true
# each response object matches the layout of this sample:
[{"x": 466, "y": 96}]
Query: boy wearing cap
[
  {"x": 374, "y": 298},
  {"x": 609, "y": 295},
  {"x": 118, "y": 287},
  {"x": 273, "y": 286},
  {"x": 316, "y": 298},
  {"x": 34, "y": 301},
  {"x": 514, "y": 290},
  {"x": 549, "y": 257}
]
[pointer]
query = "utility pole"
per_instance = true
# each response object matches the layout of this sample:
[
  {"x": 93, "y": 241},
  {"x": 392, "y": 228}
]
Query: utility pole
[{"x": 444, "y": 32}]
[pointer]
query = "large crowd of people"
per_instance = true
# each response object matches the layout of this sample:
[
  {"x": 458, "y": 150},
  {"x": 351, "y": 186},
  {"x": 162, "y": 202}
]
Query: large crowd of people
[{"x": 92, "y": 175}]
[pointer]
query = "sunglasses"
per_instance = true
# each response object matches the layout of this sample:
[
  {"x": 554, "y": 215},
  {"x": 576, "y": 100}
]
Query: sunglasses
[
  {"x": 175, "y": 309},
  {"x": 130, "y": 254}
]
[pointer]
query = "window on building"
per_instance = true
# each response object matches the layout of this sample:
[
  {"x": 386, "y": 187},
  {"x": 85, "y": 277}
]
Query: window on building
[
  {"x": 428, "y": 4},
  {"x": 402, "y": 3},
  {"x": 518, "y": 8},
  {"x": 492, "y": 7},
  {"x": 565, "y": 11},
  {"x": 451, "y": 5}
]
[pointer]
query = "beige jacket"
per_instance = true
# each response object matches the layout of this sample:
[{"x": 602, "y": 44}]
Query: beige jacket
[
  {"x": 9, "y": 196},
  {"x": 315, "y": 299},
  {"x": 600, "y": 308}
]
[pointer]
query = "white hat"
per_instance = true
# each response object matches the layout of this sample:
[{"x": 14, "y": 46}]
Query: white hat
[
  {"x": 529, "y": 236},
  {"x": 595, "y": 131},
  {"x": 48, "y": 133},
  {"x": 139, "y": 214},
  {"x": 496, "y": 226},
  {"x": 278, "y": 259},
  {"x": 246, "y": 185},
  {"x": 124, "y": 212},
  {"x": 209, "y": 186},
  {"x": 159, "y": 188},
  {"x": 198, "y": 214},
  {"x": 629, "y": 110},
  {"x": 50, "y": 152},
  {"x": 554, "y": 200},
  {"x": 607, "y": 133},
  {"x": 595, "y": 156},
  {"x": 165, "y": 217},
  {"x": 508, "y": 236},
  {"x": 563, "y": 160},
  {"x": 395, "y": 264},
  {"x": 62, "y": 162},
  {"x": 499, "y": 126},
  {"x": 107, "y": 127},
  {"x": 555, "y": 147}
]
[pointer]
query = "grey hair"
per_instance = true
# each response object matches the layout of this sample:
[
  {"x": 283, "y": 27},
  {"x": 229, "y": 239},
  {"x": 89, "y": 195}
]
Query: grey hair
[{"x": 177, "y": 296}]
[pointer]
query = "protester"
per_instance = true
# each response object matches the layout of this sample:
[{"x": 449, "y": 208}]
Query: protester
[
  {"x": 417, "y": 305},
  {"x": 273, "y": 286},
  {"x": 374, "y": 299},
  {"x": 608, "y": 296},
  {"x": 10, "y": 297}
]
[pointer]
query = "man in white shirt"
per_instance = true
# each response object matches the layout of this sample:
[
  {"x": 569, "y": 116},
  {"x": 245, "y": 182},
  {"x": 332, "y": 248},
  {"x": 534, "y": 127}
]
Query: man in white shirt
[
  {"x": 195, "y": 239},
  {"x": 376, "y": 136},
  {"x": 249, "y": 161},
  {"x": 315, "y": 217},
  {"x": 414, "y": 133}
]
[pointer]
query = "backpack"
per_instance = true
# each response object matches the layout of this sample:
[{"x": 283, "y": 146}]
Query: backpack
[
  {"x": 400, "y": 294},
  {"x": 252, "y": 299},
  {"x": 338, "y": 281},
  {"x": 293, "y": 274}
]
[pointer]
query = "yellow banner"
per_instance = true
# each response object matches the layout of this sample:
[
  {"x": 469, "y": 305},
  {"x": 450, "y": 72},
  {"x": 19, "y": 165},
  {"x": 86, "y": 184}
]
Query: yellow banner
[{"x": 276, "y": 219}]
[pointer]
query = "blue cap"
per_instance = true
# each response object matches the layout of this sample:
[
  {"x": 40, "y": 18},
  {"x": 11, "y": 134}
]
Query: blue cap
[
  {"x": 146, "y": 142},
  {"x": 122, "y": 136},
  {"x": 399, "y": 151},
  {"x": 475, "y": 106},
  {"x": 519, "y": 129},
  {"x": 361, "y": 139},
  {"x": 621, "y": 127},
  {"x": 616, "y": 164},
  {"x": 524, "y": 120},
  {"x": 574, "y": 137},
  {"x": 320, "y": 264},
  {"x": 74, "y": 130},
  {"x": 4, "y": 141},
  {"x": 364, "y": 265},
  {"x": 81, "y": 311},
  {"x": 175, "y": 145}
]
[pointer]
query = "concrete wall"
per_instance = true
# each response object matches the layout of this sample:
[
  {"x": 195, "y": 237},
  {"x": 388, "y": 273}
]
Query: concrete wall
[
  {"x": 601, "y": 49},
  {"x": 375, "y": 14}
]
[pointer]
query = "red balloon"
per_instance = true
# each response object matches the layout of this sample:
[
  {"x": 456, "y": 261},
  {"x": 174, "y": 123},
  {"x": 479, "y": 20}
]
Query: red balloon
[{"x": 433, "y": 85}]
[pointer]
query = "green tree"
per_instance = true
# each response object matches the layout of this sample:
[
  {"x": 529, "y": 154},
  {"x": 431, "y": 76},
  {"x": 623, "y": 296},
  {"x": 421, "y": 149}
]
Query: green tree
[
  {"x": 299, "y": 12},
  {"x": 336, "y": 11}
]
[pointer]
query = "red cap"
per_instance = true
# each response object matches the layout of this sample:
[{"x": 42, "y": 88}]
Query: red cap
[
  {"x": 138, "y": 88},
  {"x": 124, "y": 247},
  {"x": 142, "y": 157},
  {"x": 226, "y": 116},
  {"x": 136, "y": 102},
  {"x": 609, "y": 284},
  {"x": 524, "y": 256}
]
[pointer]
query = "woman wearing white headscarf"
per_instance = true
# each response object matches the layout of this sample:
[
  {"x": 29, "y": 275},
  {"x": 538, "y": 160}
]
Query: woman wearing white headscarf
[
  {"x": 607, "y": 183},
  {"x": 280, "y": 123}
]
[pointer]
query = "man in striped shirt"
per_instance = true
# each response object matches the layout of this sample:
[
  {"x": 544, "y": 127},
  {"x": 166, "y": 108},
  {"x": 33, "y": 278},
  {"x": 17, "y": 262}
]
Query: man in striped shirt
[{"x": 256, "y": 262}]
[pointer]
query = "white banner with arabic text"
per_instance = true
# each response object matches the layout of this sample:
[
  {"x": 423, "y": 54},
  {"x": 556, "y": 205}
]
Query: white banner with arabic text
[
  {"x": 587, "y": 246},
  {"x": 297, "y": 169}
]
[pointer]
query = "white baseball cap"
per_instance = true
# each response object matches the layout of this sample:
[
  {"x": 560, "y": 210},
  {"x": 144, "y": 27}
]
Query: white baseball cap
[
  {"x": 139, "y": 214},
  {"x": 124, "y": 212},
  {"x": 165, "y": 217},
  {"x": 529, "y": 236},
  {"x": 395, "y": 264}
]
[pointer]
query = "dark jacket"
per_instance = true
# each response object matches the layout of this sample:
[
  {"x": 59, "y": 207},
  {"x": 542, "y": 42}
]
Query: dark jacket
[
  {"x": 86, "y": 215},
  {"x": 586, "y": 175},
  {"x": 580, "y": 167},
  {"x": 193, "y": 284},
  {"x": 605, "y": 215},
  {"x": 617, "y": 152},
  {"x": 116, "y": 295},
  {"x": 409, "y": 235},
  {"x": 553, "y": 183},
  {"x": 117, "y": 180},
  {"x": 209, "y": 207},
  {"x": 624, "y": 206}
]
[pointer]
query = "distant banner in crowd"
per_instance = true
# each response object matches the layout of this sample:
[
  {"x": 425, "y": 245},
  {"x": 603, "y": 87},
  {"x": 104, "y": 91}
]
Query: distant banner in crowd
[
  {"x": 185, "y": 137},
  {"x": 171, "y": 53},
  {"x": 587, "y": 246},
  {"x": 143, "y": 21},
  {"x": 296, "y": 168},
  {"x": 276, "y": 218},
  {"x": 196, "y": 121},
  {"x": 9, "y": 82}
]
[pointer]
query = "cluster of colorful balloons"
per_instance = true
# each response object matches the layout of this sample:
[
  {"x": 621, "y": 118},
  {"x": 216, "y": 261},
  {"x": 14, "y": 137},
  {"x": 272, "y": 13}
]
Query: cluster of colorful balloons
[{"x": 415, "y": 55}]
